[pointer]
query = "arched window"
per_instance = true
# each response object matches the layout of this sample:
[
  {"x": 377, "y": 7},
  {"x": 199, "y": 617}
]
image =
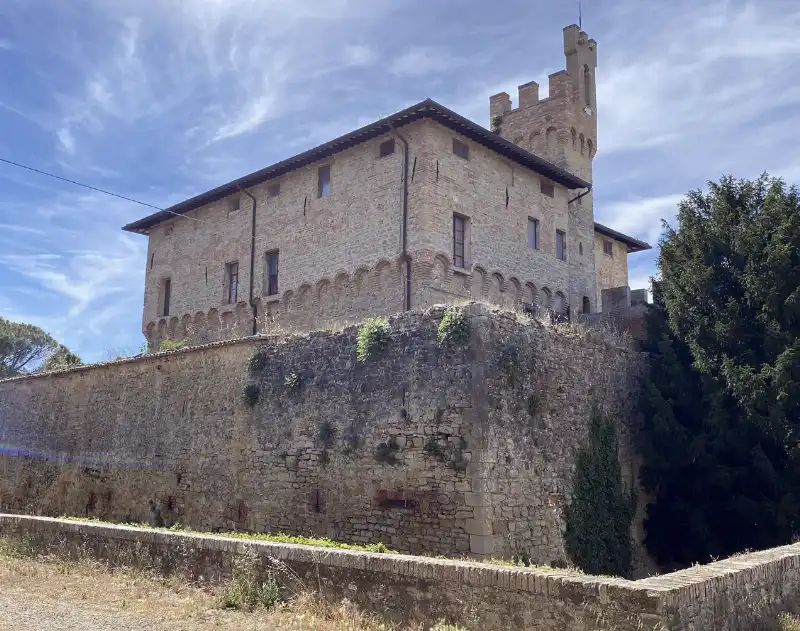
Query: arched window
[
  {"x": 559, "y": 303},
  {"x": 587, "y": 85},
  {"x": 583, "y": 144},
  {"x": 590, "y": 147},
  {"x": 574, "y": 138},
  {"x": 587, "y": 305}
]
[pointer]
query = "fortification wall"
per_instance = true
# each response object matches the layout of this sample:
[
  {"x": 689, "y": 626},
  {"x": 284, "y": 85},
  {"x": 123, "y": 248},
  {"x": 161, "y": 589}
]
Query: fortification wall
[
  {"x": 739, "y": 594},
  {"x": 468, "y": 450}
]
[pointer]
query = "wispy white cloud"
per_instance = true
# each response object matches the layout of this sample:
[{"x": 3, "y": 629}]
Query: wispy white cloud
[
  {"x": 641, "y": 217},
  {"x": 359, "y": 56},
  {"x": 693, "y": 77},
  {"x": 419, "y": 61}
]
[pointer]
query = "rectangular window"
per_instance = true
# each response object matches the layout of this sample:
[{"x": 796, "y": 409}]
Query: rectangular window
[
  {"x": 232, "y": 283},
  {"x": 233, "y": 204},
  {"x": 547, "y": 188},
  {"x": 386, "y": 148},
  {"x": 272, "y": 273},
  {"x": 166, "y": 294},
  {"x": 459, "y": 239},
  {"x": 274, "y": 189},
  {"x": 533, "y": 233},
  {"x": 608, "y": 247},
  {"x": 561, "y": 245},
  {"x": 461, "y": 149},
  {"x": 324, "y": 177}
]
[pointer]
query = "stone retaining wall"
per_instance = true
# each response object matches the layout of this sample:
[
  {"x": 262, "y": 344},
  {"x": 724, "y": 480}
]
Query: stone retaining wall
[
  {"x": 733, "y": 595},
  {"x": 458, "y": 450}
]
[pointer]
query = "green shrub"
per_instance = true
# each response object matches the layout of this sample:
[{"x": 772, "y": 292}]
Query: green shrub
[
  {"x": 171, "y": 345},
  {"x": 496, "y": 123},
  {"x": 598, "y": 533},
  {"x": 387, "y": 452},
  {"x": 372, "y": 338},
  {"x": 258, "y": 362},
  {"x": 326, "y": 434},
  {"x": 245, "y": 591},
  {"x": 454, "y": 328},
  {"x": 251, "y": 394}
]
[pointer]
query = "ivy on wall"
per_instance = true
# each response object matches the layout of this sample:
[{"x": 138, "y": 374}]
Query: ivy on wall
[{"x": 599, "y": 517}]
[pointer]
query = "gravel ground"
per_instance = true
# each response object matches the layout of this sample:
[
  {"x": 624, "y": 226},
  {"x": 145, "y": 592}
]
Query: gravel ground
[{"x": 23, "y": 610}]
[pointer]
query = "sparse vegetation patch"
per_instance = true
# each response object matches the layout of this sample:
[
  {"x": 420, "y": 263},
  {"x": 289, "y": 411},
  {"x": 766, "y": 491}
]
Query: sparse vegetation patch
[
  {"x": 453, "y": 329},
  {"x": 372, "y": 338}
]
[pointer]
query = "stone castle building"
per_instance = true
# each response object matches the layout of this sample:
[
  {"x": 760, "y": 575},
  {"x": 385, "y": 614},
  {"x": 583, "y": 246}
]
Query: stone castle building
[{"x": 418, "y": 208}]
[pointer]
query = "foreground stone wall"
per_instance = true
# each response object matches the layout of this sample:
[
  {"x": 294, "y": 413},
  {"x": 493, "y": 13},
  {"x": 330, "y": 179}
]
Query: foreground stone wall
[
  {"x": 740, "y": 594},
  {"x": 466, "y": 450}
]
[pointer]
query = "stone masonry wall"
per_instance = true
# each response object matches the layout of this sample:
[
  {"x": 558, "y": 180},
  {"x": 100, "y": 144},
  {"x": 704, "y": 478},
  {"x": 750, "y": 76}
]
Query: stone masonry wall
[
  {"x": 426, "y": 449},
  {"x": 739, "y": 594},
  {"x": 340, "y": 256},
  {"x": 612, "y": 271}
]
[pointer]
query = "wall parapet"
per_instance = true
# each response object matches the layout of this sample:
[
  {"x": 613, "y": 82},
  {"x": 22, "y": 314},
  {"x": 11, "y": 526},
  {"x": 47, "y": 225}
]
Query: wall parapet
[{"x": 729, "y": 595}]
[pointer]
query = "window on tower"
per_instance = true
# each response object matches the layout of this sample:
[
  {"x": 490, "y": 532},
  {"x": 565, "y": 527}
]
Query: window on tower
[{"x": 587, "y": 85}]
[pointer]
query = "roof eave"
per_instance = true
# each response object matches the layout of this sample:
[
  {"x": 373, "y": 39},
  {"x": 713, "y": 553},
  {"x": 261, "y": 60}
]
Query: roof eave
[
  {"x": 633, "y": 244},
  {"x": 424, "y": 109}
]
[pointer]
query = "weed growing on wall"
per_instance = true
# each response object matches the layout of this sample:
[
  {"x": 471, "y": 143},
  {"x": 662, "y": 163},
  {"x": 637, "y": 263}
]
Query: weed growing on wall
[
  {"x": 453, "y": 329},
  {"x": 246, "y": 591},
  {"x": 533, "y": 404},
  {"x": 496, "y": 124},
  {"x": 251, "y": 394},
  {"x": 509, "y": 361},
  {"x": 372, "y": 338},
  {"x": 292, "y": 382},
  {"x": 171, "y": 345},
  {"x": 598, "y": 534},
  {"x": 258, "y": 362},
  {"x": 386, "y": 452},
  {"x": 326, "y": 434},
  {"x": 433, "y": 449}
]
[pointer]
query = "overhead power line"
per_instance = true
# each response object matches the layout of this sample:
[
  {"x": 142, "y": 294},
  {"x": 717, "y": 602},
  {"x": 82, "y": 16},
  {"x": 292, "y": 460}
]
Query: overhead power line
[{"x": 92, "y": 188}]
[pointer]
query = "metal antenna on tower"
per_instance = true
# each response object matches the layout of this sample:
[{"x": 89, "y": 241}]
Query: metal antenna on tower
[{"x": 580, "y": 15}]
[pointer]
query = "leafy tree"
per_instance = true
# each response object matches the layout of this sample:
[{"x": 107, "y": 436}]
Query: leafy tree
[
  {"x": 722, "y": 405},
  {"x": 24, "y": 347},
  {"x": 598, "y": 532},
  {"x": 61, "y": 359}
]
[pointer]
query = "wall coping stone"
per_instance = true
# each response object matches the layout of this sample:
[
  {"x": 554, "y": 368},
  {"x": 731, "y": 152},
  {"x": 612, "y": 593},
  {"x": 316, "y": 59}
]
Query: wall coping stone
[{"x": 398, "y": 323}]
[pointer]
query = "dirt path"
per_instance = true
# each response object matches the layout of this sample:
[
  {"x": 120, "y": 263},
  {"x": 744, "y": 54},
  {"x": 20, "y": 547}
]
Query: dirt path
[
  {"x": 24, "y": 610},
  {"x": 50, "y": 595}
]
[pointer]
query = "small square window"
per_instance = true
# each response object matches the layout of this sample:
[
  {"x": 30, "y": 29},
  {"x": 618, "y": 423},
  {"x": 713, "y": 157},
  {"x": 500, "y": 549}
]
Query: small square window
[
  {"x": 274, "y": 189},
  {"x": 533, "y": 233},
  {"x": 233, "y": 204},
  {"x": 461, "y": 149},
  {"x": 608, "y": 247},
  {"x": 168, "y": 229},
  {"x": 547, "y": 188},
  {"x": 561, "y": 245},
  {"x": 386, "y": 148}
]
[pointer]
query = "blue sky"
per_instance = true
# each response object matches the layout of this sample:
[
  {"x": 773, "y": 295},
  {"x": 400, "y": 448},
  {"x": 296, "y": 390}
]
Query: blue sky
[{"x": 162, "y": 99}]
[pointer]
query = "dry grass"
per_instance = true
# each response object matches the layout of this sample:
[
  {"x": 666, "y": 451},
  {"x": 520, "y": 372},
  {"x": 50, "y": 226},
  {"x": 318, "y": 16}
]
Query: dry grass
[{"x": 172, "y": 602}]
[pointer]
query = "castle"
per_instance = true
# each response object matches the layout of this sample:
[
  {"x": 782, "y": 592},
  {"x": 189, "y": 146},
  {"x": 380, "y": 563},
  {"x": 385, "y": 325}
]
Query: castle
[{"x": 418, "y": 208}]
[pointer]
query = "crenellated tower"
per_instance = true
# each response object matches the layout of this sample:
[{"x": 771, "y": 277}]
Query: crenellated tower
[{"x": 563, "y": 129}]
